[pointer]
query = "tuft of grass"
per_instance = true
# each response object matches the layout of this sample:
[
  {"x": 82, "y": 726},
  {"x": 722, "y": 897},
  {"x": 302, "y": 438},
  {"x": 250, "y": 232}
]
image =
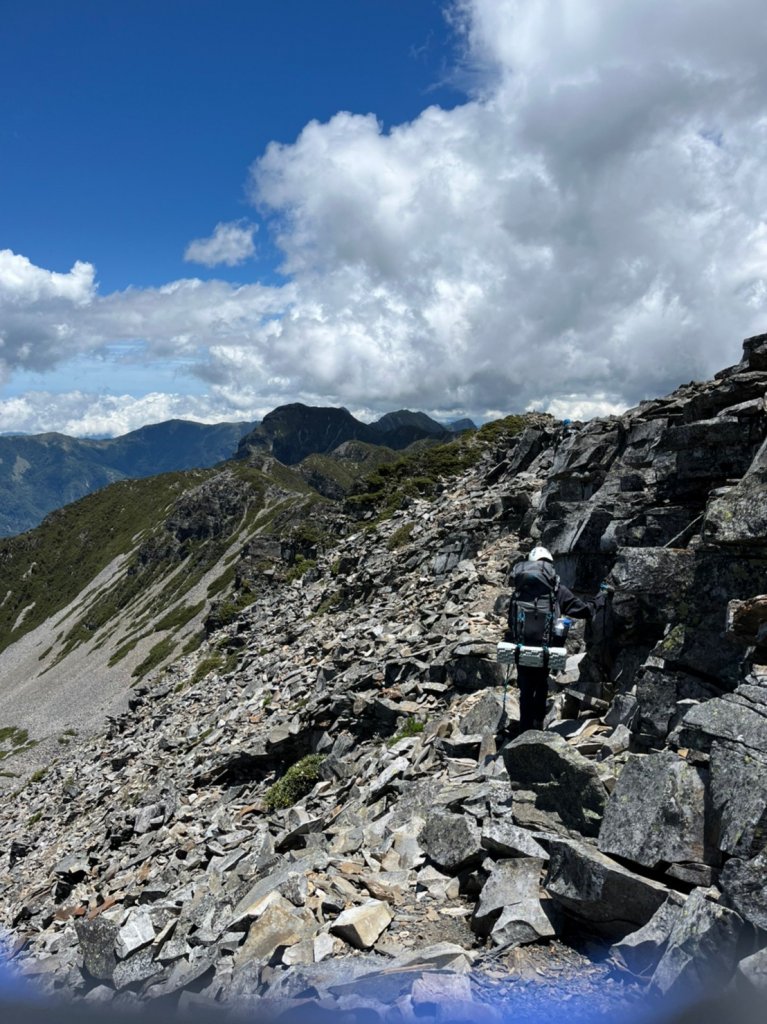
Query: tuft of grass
[
  {"x": 297, "y": 781},
  {"x": 400, "y": 537},
  {"x": 411, "y": 727},
  {"x": 13, "y": 736},
  {"x": 216, "y": 662},
  {"x": 159, "y": 653},
  {"x": 178, "y": 617},
  {"x": 332, "y": 601},
  {"x": 14, "y": 740},
  {"x": 38, "y": 776},
  {"x": 226, "y": 611}
]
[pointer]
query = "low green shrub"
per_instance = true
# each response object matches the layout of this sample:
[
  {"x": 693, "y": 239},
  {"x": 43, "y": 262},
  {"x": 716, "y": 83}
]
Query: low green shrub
[
  {"x": 297, "y": 781},
  {"x": 400, "y": 537},
  {"x": 300, "y": 567}
]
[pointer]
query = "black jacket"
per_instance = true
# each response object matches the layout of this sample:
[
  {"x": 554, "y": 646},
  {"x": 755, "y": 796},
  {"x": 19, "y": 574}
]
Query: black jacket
[{"x": 576, "y": 607}]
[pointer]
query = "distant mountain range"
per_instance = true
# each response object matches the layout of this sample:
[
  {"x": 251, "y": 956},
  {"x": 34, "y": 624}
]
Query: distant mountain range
[{"x": 42, "y": 472}]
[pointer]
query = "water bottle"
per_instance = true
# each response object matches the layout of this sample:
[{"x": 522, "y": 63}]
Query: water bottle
[{"x": 561, "y": 628}]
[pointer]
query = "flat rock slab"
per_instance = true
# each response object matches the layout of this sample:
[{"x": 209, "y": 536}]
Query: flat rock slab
[
  {"x": 702, "y": 949},
  {"x": 563, "y": 780},
  {"x": 506, "y": 839},
  {"x": 739, "y": 717},
  {"x": 656, "y": 812},
  {"x": 137, "y": 931},
  {"x": 751, "y": 972},
  {"x": 593, "y": 887},
  {"x": 361, "y": 926},
  {"x": 313, "y": 860},
  {"x": 440, "y": 989}
]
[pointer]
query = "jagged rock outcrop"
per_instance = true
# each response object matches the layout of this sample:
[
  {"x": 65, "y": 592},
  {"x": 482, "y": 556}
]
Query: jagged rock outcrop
[{"x": 344, "y": 812}]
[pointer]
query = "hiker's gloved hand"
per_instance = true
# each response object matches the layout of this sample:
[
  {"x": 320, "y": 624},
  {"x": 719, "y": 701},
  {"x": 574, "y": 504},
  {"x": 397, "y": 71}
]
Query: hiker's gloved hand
[{"x": 606, "y": 589}]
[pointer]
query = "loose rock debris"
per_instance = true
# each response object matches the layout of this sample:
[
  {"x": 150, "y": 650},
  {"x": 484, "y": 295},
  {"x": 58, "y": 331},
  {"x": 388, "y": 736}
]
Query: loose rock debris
[{"x": 436, "y": 852}]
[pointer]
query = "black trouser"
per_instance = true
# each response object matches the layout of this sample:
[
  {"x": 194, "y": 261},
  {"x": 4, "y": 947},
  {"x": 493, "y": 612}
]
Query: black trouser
[{"x": 533, "y": 690}]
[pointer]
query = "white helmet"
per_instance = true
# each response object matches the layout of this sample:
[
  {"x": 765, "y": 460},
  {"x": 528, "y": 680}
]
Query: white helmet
[{"x": 539, "y": 553}]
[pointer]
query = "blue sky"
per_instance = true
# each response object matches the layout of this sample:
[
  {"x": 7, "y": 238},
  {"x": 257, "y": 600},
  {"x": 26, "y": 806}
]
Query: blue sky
[
  {"x": 127, "y": 128},
  {"x": 211, "y": 208}
]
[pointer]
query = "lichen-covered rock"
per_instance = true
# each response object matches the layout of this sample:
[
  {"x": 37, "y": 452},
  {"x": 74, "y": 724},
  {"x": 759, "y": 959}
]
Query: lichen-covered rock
[
  {"x": 451, "y": 841},
  {"x": 97, "y": 941},
  {"x": 702, "y": 948},
  {"x": 738, "y": 797},
  {"x": 740, "y": 516},
  {"x": 563, "y": 780},
  {"x": 744, "y": 885},
  {"x": 657, "y": 812},
  {"x": 739, "y": 717}
]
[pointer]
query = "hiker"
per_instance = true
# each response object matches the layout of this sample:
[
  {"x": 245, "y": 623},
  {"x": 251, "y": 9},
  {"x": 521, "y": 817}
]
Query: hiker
[{"x": 539, "y": 609}]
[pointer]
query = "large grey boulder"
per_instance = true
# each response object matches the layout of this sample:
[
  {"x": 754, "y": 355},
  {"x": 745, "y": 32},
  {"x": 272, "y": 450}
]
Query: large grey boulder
[
  {"x": 649, "y": 584},
  {"x": 594, "y": 888},
  {"x": 361, "y": 926},
  {"x": 563, "y": 780},
  {"x": 739, "y": 797},
  {"x": 755, "y": 352},
  {"x": 657, "y": 812},
  {"x": 281, "y": 924},
  {"x": 740, "y": 516},
  {"x": 744, "y": 885},
  {"x": 509, "y": 907},
  {"x": 97, "y": 940},
  {"x": 660, "y": 692},
  {"x": 451, "y": 841},
  {"x": 702, "y": 949},
  {"x": 484, "y": 716},
  {"x": 505, "y": 839}
]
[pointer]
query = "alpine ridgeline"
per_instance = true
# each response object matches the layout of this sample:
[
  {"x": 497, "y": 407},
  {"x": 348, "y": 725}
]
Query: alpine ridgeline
[
  {"x": 42, "y": 472},
  {"x": 319, "y": 805}
]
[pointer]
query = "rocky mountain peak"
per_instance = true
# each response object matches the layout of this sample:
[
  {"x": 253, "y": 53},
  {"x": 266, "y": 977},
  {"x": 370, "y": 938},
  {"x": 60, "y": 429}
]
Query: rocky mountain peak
[{"x": 293, "y": 432}]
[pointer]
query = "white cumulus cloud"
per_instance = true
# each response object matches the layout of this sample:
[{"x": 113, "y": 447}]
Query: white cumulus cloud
[
  {"x": 230, "y": 244},
  {"x": 84, "y": 414},
  {"x": 585, "y": 230}
]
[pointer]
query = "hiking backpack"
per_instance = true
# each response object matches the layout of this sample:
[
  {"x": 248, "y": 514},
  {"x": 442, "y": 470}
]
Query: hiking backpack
[{"x": 534, "y": 604}]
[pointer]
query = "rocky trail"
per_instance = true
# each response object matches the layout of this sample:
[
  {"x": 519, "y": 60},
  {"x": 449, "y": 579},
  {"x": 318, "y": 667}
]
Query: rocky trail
[{"x": 342, "y": 818}]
